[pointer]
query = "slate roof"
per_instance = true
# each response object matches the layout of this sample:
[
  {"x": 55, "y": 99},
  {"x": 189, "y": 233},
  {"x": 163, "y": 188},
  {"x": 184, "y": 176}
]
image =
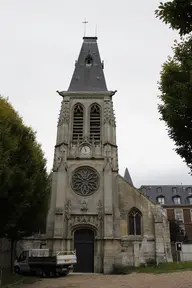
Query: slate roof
[
  {"x": 168, "y": 191},
  {"x": 127, "y": 177},
  {"x": 88, "y": 74}
]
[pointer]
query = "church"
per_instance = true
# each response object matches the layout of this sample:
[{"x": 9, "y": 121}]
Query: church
[{"x": 94, "y": 210}]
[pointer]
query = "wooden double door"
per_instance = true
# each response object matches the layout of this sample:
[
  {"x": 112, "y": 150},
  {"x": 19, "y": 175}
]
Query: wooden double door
[{"x": 84, "y": 245}]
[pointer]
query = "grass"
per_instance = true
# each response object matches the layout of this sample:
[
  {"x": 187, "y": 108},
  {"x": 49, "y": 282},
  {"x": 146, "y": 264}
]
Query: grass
[
  {"x": 161, "y": 268},
  {"x": 10, "y": 278},
  {"x": 166, "y": 268}
]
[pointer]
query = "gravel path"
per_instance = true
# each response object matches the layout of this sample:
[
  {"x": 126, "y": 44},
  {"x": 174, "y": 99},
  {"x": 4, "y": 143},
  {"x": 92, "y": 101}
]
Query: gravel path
[{"x": 172, "y": 280}]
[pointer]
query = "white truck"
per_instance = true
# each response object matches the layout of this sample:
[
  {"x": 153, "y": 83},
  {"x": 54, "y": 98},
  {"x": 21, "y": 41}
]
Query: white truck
[{"x": 41, "y": 262}]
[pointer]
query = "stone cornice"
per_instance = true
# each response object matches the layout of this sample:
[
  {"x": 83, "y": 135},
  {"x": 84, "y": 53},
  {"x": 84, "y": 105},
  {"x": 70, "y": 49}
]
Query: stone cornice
[
  {"x": 111, "y": 144},
  {"x": 86, "y": 94}
]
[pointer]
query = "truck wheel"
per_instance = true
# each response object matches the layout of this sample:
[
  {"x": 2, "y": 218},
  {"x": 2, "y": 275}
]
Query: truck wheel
[
  {"x": 43, "y": 274},
  {"x": 17, "y": 270},
  {"x": 67, "y": 272}
]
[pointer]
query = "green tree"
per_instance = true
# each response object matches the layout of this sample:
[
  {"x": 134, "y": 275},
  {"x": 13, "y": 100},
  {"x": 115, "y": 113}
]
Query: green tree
[
  {"x": 176, "y": 233},
  {"x": 176, "y": 78},
  {"x": 176, "y": 100},
  {"x": 24, "y": 182},
  {"x": 178, "y": 14}
]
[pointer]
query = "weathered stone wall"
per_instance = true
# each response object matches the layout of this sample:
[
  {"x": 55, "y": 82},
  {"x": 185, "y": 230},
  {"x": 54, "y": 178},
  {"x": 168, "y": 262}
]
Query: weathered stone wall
[
  {"x": 162, "y": 237},
  {"x": 154, "y": 241},
  {"x": 136, "y": 252},
  {"x": 130, "y": 197}
]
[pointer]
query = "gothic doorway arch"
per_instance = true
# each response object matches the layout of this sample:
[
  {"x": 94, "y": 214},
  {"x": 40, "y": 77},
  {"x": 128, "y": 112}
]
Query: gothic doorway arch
[{"x": 84, "y": 246}]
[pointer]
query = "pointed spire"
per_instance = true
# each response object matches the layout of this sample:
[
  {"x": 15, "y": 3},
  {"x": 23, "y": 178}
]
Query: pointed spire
[
  {"x": 88, "y": 74},
  {"x": 127, "y": 177}
]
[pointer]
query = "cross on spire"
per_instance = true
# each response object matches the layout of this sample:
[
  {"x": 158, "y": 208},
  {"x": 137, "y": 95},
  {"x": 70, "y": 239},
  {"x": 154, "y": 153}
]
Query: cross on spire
[{"x": 85, "y": 23}]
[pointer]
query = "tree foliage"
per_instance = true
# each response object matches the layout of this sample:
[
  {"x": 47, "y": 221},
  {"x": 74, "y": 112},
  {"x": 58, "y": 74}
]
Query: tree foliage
[
  {"x": 178, "y": 14},
  {"x": 176, "y": 78},
  {"x": 176, "y": 95},
  {"x": 176, "y": 233},
  {"x": 24, "y": 183}
]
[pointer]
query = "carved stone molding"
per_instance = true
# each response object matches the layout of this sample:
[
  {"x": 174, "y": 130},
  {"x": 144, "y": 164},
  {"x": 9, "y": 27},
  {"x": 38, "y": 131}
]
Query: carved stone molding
[
  {"x": 88, "y": 97},
  {"x": 59, "y": 211},
  {"x": 84, "y": 206},
  {"x": 158, "y": 216},
  {"x": 85, "y": 181},
  {"x": 100, "y": 210},
  {"x": 62, "y": 148},
  {"x": 109, "y": 117},
  {"x": 113, "y": 120},
  {"x": 54, "y": 161},
  {"x": 92, "y": 220},
  {"x": 57, "y": 162},
  {"x": 68, "y": 209},
  {"x": 64, "y": 113},
  {"x": 84, "y": 219}
]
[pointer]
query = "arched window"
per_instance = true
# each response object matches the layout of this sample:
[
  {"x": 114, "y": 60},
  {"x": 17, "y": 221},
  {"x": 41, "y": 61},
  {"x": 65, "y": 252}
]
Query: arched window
[
  {"x": 78, "y": 122},
  {"x": 95, "y": 122},
  {"x": 134, "y": 222}
]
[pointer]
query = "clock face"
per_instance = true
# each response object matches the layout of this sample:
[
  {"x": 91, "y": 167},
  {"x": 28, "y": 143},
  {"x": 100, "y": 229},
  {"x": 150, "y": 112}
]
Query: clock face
[{"x": 85, "y": 150}]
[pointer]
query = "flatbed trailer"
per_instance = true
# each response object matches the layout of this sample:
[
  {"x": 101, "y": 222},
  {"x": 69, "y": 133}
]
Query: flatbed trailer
[{"x": 39, "y": 261}]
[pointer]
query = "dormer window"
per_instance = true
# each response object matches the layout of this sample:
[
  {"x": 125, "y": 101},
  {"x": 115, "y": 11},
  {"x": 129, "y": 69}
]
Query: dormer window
[
  {"x": 89, "y": 61},
  {"x": 190, "y": 199},
  {"x": 174, "y": 191},
  {"x": 159, "y": 190},
  {"x": 189, "y": 190},
  {"x": 161, "y": 200},
  {"x": 177, "y": 200}
]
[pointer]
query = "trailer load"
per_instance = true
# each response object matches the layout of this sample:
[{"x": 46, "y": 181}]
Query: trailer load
[{"x": 44, "y": 263}]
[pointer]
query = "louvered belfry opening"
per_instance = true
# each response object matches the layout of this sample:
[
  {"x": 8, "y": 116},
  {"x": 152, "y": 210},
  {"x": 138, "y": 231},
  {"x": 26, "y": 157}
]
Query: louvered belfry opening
[
  {"x": 95, "y": 123},
  {"x": 78, "y": 122}
]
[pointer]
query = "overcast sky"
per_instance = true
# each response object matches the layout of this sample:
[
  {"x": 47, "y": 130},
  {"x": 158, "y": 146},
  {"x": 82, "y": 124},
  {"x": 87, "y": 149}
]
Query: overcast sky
[{"x": 39, "y": 43}]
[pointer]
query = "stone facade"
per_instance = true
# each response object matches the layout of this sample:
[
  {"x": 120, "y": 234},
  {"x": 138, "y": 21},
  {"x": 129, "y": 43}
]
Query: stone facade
[
  {"x": 97, "y": 197},
  {"x": 154, "y": 241}
]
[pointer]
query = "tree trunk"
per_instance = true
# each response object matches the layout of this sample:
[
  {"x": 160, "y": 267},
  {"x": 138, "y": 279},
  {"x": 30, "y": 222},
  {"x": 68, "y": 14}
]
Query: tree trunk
[{"x": 12, "y": 253}]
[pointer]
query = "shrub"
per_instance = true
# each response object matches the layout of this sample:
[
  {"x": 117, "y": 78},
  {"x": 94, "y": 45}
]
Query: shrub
[
  {"x": 150, "y": 262},
  {"x": 119, "y": 269}
]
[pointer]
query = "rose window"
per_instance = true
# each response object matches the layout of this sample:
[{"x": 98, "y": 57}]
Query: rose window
[{"x": 85, "y": 181}]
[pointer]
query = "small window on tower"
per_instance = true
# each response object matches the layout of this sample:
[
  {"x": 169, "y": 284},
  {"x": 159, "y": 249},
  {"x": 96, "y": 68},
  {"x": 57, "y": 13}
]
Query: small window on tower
[
  {"x": 95, "y": 122},
  {"x": 89, "y": 61},
  {"x": 78, "y": 122}
]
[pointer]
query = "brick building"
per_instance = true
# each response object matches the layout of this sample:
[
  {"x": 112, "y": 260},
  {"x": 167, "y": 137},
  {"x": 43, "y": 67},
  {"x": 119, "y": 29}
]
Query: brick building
[{"x": 177, "y": 201}]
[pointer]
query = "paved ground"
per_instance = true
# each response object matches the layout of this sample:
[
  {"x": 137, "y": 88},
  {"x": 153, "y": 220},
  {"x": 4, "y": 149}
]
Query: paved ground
[{"x": 172, "y": 280}]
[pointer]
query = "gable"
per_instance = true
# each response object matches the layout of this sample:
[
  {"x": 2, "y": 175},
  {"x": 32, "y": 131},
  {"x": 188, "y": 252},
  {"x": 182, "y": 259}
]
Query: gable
[{"x": 130, "y": 197}]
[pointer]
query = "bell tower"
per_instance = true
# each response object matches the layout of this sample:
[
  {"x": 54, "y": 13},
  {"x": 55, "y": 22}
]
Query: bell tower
[{"x": 84, "y": 200}]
